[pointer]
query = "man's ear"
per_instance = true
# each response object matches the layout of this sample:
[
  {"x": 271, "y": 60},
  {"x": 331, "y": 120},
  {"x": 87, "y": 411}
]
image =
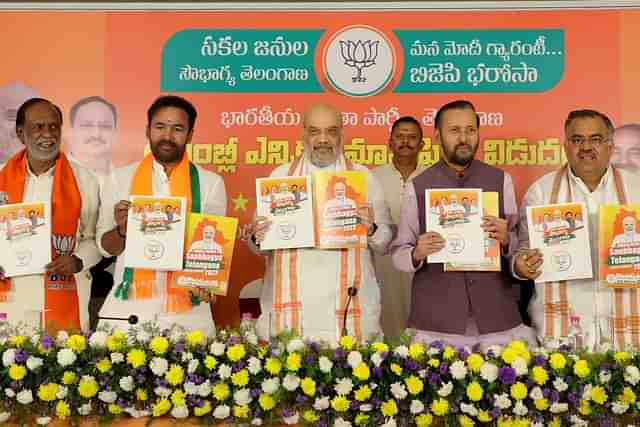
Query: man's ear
[{"x": 20, "y": 133}]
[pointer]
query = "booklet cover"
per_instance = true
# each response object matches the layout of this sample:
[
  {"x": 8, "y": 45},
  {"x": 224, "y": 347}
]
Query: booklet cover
[
  {"x": 491, "y": 260},
  {"x": 208, "y": 252},
  {"x": 619, "y": 249},
  {"x": 337, "y": 196},
  {"x": 25, "y": 238},
  {"x": 456, "y": 214},
  {"x": 155, "y": 233},
  {"x": 287, "y": 203},
  {"x": 561, "y": 233}
]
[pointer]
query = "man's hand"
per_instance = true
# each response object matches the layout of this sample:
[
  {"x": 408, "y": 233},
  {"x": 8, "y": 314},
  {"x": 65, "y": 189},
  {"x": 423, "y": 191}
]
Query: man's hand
[
  {"x": 120, "y": 214},
  {"x": 365, "y": 214},
  {"x": 497, "y": 229},
  {"x": 204, "y": 294},
  {"x": 65, "y": 265},
  {"x": 259, "y": 227},
  {"x": 528, "y": 263},
  {"x": 428, "y": 243},
  {"x": 2, "y": 273}
]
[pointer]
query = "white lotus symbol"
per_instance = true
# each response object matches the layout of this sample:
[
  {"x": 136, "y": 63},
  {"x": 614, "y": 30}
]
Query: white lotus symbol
[{"x": 359, "y": 55}]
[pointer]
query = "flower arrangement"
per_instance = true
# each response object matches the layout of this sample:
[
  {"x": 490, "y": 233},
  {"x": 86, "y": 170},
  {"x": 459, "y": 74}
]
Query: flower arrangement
[{"x": 232, "y": 378}]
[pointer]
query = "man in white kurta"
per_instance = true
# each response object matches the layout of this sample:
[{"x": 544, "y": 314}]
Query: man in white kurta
[{"x": 318, "y": 271}]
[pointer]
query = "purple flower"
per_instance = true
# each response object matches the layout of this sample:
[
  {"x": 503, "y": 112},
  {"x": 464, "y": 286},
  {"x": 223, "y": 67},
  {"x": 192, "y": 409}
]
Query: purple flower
[
  {"x": 46, "y": 342},
  {"x": 495, "y": 412},
  {"x": 507, "y": 375},
  {"x": 178, "y": 347},
  {"x": 286, "y": 413},
  {"x": 21, "y": 356},
  {"x": 340, "y": 353},
  {"x": 444, "y": 368},
  {"x": 555, "y": 396},
  {"x": 255, "y": 393},
  {"x": 377, "y": 372},
  {"x": 412, "y": 365},
  {"x": 314, "y": 346},
  {"x": 301, "y": 398},
  {"x": 309, "y": 360},
  {"x": 572, "y": 398},
  {"x": 160, "y": 382},
  {"x": 546, "y": 392},
  {"x": 540, "y": 360},
  {"x": 438, "y": 345},
  {"x": 322, "y": 424},
  {"x": 434, "y": 378},
  {"x": 355, "y": 405},
  {"x": 141, "y": 378},
  {"x": 463, "y": 353}
]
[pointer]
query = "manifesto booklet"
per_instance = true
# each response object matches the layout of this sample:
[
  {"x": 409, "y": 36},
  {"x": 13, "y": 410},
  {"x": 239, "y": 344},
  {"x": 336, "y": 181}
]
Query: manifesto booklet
[
  {"x": 25, "y": 238},
  {"x": 155, "y": 233},
  {"x": 337, "y": 196},
  {"x": 561, "y": 233},
  {"x": 287, "y": 203},
  {"x": 619, "y": 246},
  {"x": 208, "y": 252}
]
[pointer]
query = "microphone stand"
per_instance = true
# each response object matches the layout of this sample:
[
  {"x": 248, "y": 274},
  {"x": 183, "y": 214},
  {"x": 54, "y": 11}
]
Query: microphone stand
[
  {"x": 351, "y": 292},
  {"x": 132, "y": 320}
]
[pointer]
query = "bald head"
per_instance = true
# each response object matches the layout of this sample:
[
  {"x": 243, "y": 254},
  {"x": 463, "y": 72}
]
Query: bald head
[
  {"x": 626, "y": 147},
  {"x": 322, "y": 134}
]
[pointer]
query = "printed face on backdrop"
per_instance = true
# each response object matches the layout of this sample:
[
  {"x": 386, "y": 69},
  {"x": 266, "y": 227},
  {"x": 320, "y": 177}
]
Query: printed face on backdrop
[
  {"x": 405, "y": 140},
  {"x": 322, "y": 135},
  {"x": 629, "y": 224},
  {"x": 12, "y": 96},
  {"x": 458, "y": 136},
  {"x": 93, "y": 135},
  {"x": 41, "y": 132},
  {"x": 587, "y": 146},
  {"x": 625, "y": 152},
  {"x": 169, "y": 134}
]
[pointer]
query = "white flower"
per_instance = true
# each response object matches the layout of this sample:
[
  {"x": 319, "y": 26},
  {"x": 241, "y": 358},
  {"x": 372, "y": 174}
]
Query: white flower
[
  {"x": 137, "y": 413},
  {"x": 162, "y": 391},
  {"x": 9, "y": 392},
  {"x": 390, "y": 422},
  {"x": 422, "y": 373},
  {"x": 107, "y": 396},
  {"x": 398, "y": 390},
  {"x": 98, "y": 339},
  {"x": 558, "y": 408},
  {"x": 176, "y": 334},
  {"x": 217, "y": 348},
  {"x": 458, "y": 370},
  {"x": 204, "y": 389},
  {"x": 293, "y": 419},
  {"x": 560, "y": 385},
  {"x": 520, "y": 365},
  {"x": 519, "y": 409},
  {"x": 62, "y": 338},
  {"x": 4, "y": 416},
  {"x": 536, "y": 393},
  {"x": 25, "y": 397},
  {"x": 62, "y": 392},
  {"x": 586, "y": 393},
  {"x": 251, "y": 338},
  {"x": 502, "y": 401},
  {"x": 354, "y": 359},
  {"x": 496, "y": 350},
  {"x": 401, "y": 351},
  {"x": 186, "y": 356},
  {"x": 576, "y": 421},
  {"x": 43, "y": 421},
  {"x": 537, "y": 424},
  {"x": 34, "y": 363},
  {"x": 85, "y": 409},
  {"x": 468, "y": 409},
  {"x": 190, "y": 388},
  {"x": 143, "y": 336},
  {"x": 344, "y": 386},
  {"x": 294, "y": 345},
  {"x": 256, "y": 422},
  {"x": 321, "y": 403},
  {"x": 366, "y": 407},
  {"x": 224, "y": 371},
  {"x": 416, "y": 407},
  {"x": 159, "y": 366},
  {"x": 341, "y": 422},
  {"x": 632, "y": 374},
  {"x": 291, "y": 382},
  {"x": 446, "y": 389},
  {"x": 117, "y": 358},
  {"x": 180, "y": 412},
  {"x": 242, "y": 396},
  {"x": 433, "y": 351},
  {"x": 271, "y": 385},
  {"x": 619, "y": 408},
  {"x": 222, "y": 412},
  {"x": 489, "y": 372},
  {"x": 376, "y": 359},
  {"x": 255, "y": 365},
  {"x": 8, "y": 357},
  {"x": 605, "y": 377},
  {"x": 126, "y": 383},
  {"x": 325, "y": 364},
  {"x": 193, "y": 365}
]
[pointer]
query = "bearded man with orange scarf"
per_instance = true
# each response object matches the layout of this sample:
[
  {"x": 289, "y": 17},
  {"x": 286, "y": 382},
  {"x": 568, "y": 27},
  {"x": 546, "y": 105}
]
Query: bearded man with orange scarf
[
  {"x": 59, "y": 298},
  {"x": 166, "y": 171}
]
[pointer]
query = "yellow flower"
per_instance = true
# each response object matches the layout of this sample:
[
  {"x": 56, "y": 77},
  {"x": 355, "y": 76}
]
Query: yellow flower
[
  {"x": 448, "y": 353},
  {"x": 210, "y": 362},
  {"x": 17, "y": 372},
  {"x": 347, "y": 342},
  {"x": 236, "y": 352},
  {"x": 311, "y": 416},
  {"x": 484, "y": 417},
  {"x": 141, "y": 394},
  {"x": 540, "y": 375},
  {"x": 475, "y": 362},
  {"x": 266, "y": 402},
  {"x": 416, "y": 351},
  {"x": 240, "y": 378},
  {"x": 136, "y": 358},
  {"x": 414, "y": 384},
  {"x": 361, "y": 371},
  {"x": 581, "y": 368},
  {"x": 196, "y": 337},
  {"x": 47, "y": 392},
  {"x": 475, "y": 391},
  {"x": 68, "y": 377},
  {"x": 434, "y": 363},
  {"x": 114, "y": 409},
  {"x": 389, "y": 408},
  {"x": 622, "y": 356},
  {"x": 294, "y": 362},
  {"x": 465, "y": 421},
  {"x": 340, "y": 403},
  {"x": 541, "y": 404},
  {"x": 440, "y": 407},
  {"x": 380, "y": 347},
  {"x": 178, "y": 398},
  {"x": 241, "y": 411},
  {"x": 159, "y": 345},
  {"x": 585, "y": 407},
  {"x": 175, "y": 375},
  {"x": 17, "y": 340},
  {"x": 62, "y": 409},
  {"x": 555, "y": 422},
  {"x": 599, "y": 395},
  {"x": 77, "y": 343},
  {"x": 363, "y": 393},
  {"x": 221, "y": 391},
  {"x": 509, "y": 354},
  {"x": 116, "y": 340},
  {"x": 308, "y": 386},
  {"x": 273, "y": 366},
  {"x": 104, "y": 365},
  {"x": 424, "y": 420},
  {"x": 519, "y": 391},
  {"x": 161, "y": 407},
  {"x": 87, "y": 387},
  {"x": 202, "y": 410},
  {"x": 557, "y": 361},
  {"x": 519, "y": 346},
  {"x": 628, "y": 396},
  {"x": 396, "y": 369}
]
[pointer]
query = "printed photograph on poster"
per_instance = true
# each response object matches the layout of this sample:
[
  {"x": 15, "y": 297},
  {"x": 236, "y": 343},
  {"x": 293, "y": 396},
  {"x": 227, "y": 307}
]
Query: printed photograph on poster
[
  {"x": 456, "y": 214},
  {"x": 287, "y": 203},
  {"x": 155, "y": 233},
  {"x": 491, "y": 260},
  {"x": 561, "y": 233},
  {"x": 208, "y": 252},
  {"x": 619, "y": 246},
  {"x": 337, "y": 197},
  {"x": 25, "y": 238}
]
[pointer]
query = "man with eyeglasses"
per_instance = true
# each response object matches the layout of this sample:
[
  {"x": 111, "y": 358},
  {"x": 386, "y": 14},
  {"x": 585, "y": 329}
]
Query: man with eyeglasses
[{"x": 588, "y": 177}]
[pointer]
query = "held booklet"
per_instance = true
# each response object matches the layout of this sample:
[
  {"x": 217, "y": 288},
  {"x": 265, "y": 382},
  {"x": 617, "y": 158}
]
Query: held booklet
[
  {"x": 561, "y": 232},
  {"x": 25, "y": 238},
  {"x": 619, "y": 246},
  {"x": 155, "y": 233},
  {"x": 287, "y": 203},
  {"x": 208, "y": 252}
]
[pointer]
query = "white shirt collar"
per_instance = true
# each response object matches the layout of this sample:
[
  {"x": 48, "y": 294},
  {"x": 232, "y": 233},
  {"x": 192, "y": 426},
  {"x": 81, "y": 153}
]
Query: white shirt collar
[{"x": 602, "y": 185}]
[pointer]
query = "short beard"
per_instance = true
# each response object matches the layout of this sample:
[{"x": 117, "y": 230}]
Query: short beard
[
  {"x": 453, "y": 158},
  {"x": 163, "y": 157}
]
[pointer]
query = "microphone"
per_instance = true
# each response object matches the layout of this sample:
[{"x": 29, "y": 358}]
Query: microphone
[
  {"x": 351, "y": 292},
  {"x": 132, "y": 320}
]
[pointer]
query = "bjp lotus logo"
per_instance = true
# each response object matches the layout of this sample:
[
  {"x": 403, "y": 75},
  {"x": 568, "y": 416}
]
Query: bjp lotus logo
[
  {"x": 359, "y": 55},
  {"x": 63, "y": 244}
]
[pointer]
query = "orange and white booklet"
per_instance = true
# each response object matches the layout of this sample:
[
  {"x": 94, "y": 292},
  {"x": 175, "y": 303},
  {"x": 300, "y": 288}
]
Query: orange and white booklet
[
  {"x": 208, "y": 252},
  {"x": 337, "y": 196},
  {"x": 619, "y": 246}
]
